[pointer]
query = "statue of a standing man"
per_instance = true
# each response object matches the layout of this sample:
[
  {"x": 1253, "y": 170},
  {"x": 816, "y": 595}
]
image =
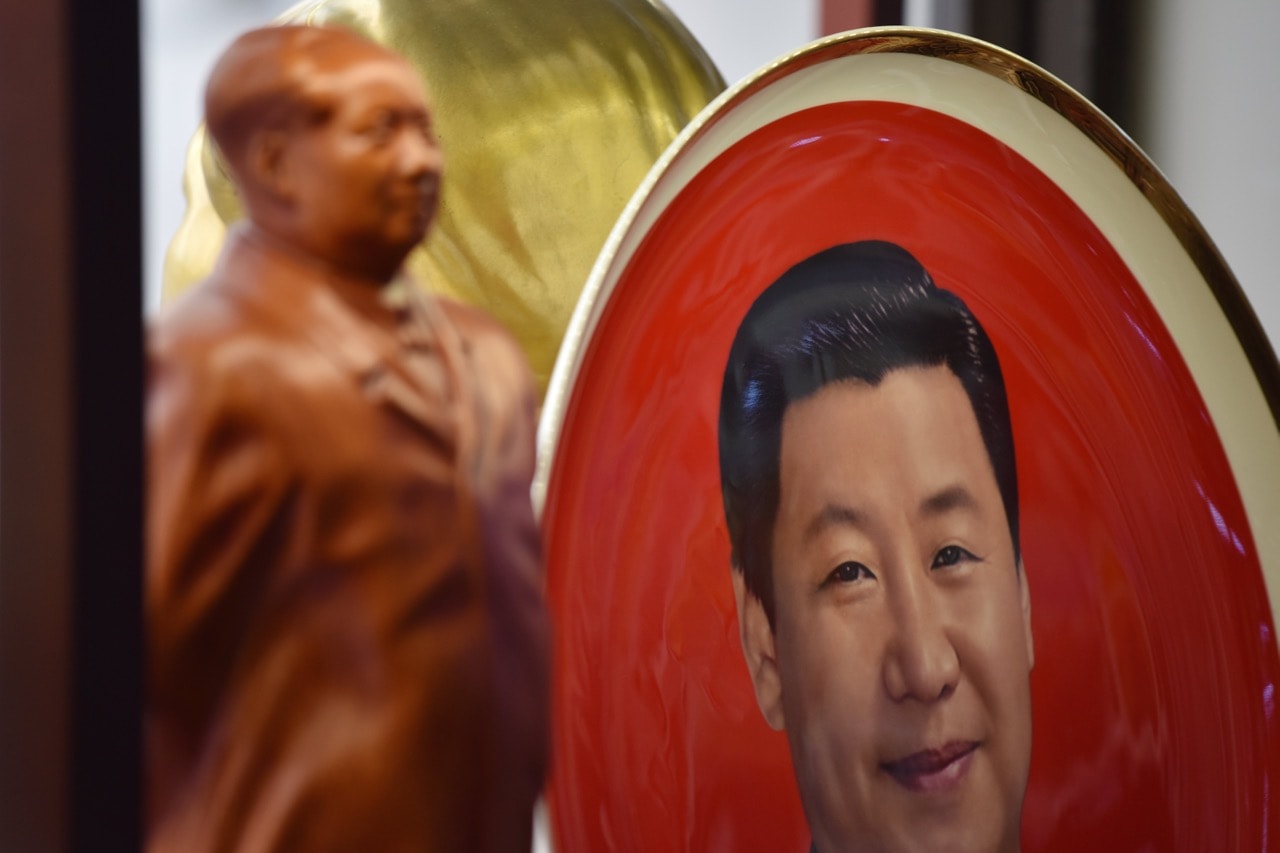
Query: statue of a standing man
[{"x": 347, "y": 639}]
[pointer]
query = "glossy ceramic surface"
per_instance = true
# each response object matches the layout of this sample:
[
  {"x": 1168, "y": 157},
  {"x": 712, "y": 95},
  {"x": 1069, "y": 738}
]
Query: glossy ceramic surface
[
  {"x": 549, "y": 114},
  {"x": 1143, "y": 413}
]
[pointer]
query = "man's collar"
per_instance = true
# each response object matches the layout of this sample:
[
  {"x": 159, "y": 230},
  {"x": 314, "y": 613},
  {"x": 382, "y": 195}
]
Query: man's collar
[{"x": 300, "y": 293}]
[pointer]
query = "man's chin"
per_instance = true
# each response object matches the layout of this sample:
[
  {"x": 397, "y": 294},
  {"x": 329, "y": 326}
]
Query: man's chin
[
  {"x": 941, "y": 838},
  {"x": 396, "y": 250},
  {"x": 910, "y": 820},
  {"x": 414, "y": 236}
]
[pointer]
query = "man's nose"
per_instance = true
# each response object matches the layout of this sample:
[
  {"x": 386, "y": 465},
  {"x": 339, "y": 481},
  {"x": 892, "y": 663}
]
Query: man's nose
[
  {"x": 921, "y": 663},
  {"x": 421, "y": 156}
]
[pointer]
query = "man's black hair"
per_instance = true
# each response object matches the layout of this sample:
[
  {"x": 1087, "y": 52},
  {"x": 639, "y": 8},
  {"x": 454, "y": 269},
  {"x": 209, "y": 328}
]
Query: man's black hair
[{"x": 852, "y": 312}]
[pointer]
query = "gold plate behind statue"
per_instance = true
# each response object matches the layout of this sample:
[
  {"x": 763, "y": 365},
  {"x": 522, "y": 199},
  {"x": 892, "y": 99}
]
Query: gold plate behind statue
[{"x": 550, "y": 115}]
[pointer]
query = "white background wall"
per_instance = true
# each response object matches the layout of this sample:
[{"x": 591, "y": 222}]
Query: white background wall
[
  {"x": 180, "y": 41},
  {"x": 1210, "y": 117},
  {"x": 1211, "y": 121},
  {"x": 743, "y": 35}
]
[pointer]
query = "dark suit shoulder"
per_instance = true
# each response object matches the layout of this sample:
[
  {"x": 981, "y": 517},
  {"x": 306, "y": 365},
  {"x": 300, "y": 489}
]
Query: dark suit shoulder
[
  {"x": 476, "y": 321},
  {"x": 486, "y": 340},
  {"x": 202, "y": 321},
  {"x": 211, "y": 352}
]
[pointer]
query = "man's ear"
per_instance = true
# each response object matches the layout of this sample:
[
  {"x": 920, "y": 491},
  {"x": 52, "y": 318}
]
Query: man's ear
[
  {"x": 759, "y": 651},
  {"x": 1024, "y": 591},
  {"x": 269, "y": 167}
]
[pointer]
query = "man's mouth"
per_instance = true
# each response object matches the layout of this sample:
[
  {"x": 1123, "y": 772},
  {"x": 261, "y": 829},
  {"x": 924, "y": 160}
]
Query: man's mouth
[{"x": 933, "y": 770}]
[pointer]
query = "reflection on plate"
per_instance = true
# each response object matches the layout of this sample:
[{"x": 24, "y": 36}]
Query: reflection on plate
[{"x": 1144, "y": 407}]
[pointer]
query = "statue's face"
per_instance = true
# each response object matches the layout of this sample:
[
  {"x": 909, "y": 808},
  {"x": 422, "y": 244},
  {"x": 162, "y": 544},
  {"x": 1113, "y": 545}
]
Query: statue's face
[
  {"x": 900, "y": 662},
  {"x": 366, "y": 179}
]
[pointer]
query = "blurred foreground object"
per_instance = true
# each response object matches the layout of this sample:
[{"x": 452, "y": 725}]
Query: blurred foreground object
[
  {"x": 347, "y": 638},
  {"x": 551, "y": 113}
]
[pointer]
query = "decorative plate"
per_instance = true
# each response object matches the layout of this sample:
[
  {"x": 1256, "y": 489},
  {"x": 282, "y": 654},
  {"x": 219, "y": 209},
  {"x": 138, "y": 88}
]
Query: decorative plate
[{"x": 1144, "y": 404}]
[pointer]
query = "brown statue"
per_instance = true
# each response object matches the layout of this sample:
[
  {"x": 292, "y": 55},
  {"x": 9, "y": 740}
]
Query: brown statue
[{"x": 347, "y": 640}]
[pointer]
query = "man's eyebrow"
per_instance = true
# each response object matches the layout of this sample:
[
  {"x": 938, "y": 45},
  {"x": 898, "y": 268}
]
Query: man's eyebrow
[
  {"x": 832, "y": 515},
  {"x": 952, "y": 498}
]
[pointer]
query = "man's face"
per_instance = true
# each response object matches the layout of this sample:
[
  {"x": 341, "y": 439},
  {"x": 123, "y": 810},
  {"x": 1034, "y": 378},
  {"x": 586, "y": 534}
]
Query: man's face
[
  {"x": 900, "y": 657},
  {"x": 366, "y": 181}
]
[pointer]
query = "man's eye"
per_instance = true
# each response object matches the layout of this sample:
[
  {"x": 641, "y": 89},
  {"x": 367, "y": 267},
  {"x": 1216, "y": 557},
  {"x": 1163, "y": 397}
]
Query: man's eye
[
  {"x": 381, "y": 128},
  {"x": 849, "y": 572},
  {"x": 950, "y": 556}
]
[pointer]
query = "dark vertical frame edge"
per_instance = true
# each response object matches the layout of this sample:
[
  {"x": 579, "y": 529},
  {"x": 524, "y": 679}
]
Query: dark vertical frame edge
[
  {"x": 71, "y": 636},
  {"x": 107, "y": 642}
]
